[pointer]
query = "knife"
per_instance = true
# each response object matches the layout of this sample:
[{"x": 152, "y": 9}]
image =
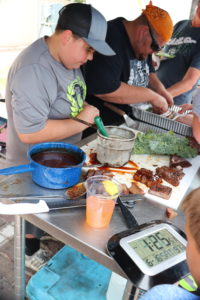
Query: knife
[
  {"x": 61, "y": 202},
  {"x": 84, "y": 122},
  {"x": 128, "y": 120},
  {"x": 53, "y": 203}
]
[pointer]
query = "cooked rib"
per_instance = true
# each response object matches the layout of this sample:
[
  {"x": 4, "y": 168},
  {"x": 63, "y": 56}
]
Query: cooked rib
[
  {"x": 193, "y": 143},
  {"x": 171, "y": 175},
  {"x": 146, "y": 177},
  {"x": 176, "y": 160},
  {"x": 161, "y": 190}
]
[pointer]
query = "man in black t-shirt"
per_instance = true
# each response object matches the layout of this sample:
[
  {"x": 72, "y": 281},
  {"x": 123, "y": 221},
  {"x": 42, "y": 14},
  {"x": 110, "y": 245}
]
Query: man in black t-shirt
[
  {"x": 179, "y": 68},
  {"x": 129, "y": 77}
]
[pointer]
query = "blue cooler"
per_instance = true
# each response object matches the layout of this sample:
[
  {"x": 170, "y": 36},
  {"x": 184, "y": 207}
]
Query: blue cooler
[{"x": 69, "y": 275}]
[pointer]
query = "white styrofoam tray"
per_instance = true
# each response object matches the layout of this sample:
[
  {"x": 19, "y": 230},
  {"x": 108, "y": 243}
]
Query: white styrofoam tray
[{"x": 152, "y": 162}]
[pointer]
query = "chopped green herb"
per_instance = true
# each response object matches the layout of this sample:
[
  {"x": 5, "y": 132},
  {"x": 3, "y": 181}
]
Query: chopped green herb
[{"x": 163, "y": 143}]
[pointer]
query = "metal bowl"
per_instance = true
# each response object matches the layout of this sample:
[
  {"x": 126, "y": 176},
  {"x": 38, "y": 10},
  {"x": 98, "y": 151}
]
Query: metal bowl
[{"x": 116, "y": 149}]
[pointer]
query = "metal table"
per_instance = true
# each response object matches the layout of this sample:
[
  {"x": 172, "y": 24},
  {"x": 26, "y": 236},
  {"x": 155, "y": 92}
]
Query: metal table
[{"x": 69, "y": 226}]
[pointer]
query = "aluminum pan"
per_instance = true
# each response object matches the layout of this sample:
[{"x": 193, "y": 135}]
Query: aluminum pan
[{"x": 161, "y": 122}]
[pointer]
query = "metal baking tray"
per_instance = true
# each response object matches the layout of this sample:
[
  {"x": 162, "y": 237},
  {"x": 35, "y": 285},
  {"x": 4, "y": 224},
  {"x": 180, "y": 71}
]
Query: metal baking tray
[{"x": 141, "y": 113}]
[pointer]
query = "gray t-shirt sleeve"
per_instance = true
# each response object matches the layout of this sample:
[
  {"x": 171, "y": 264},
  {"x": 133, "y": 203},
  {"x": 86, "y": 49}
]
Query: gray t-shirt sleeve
[
  {"x": 33, "y": 90},
  {"x": 196, "y": 103}
]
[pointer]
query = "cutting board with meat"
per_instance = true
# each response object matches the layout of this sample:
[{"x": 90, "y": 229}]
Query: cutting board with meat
[{"x": 161, "y": 178}]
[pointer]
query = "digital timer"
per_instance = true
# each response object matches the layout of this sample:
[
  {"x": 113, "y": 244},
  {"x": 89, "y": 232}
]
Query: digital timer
[
  {"x": 155, "y": 249},
  {"x": 151, "y": 253}
]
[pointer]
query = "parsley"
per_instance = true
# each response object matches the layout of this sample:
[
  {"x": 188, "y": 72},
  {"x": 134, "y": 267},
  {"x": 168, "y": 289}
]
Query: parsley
[{"x": 163, "y": 143}]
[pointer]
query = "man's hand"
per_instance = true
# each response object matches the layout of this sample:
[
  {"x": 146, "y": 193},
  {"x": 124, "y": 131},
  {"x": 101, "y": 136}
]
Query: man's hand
[
  {"x": 88, "y": 113},
  {"x": 167, "y": 96},
  {"x": 188, "y": 119},
  {"x": 185, "y": 107},
  {"x": 159, "y": 104}
]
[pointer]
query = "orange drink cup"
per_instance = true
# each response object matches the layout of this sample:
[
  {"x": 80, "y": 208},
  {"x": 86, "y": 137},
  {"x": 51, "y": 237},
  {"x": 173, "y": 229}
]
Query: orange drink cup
[{"x": 102, "y": 193}]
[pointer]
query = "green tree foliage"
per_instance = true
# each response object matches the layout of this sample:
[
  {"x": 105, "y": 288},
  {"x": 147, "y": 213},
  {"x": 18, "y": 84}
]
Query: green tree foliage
[{"x": 80, "y": 1}]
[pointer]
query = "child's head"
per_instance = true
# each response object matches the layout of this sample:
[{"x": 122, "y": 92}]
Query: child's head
[{"x": 191, "y": 207}]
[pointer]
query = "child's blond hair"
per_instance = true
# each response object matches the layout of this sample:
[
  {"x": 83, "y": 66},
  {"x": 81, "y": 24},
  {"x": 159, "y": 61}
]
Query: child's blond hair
[{"x": 191, "y": 207}]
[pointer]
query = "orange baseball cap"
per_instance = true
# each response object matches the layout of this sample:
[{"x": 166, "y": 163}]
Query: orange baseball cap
[{"x": 160, "y": 21}]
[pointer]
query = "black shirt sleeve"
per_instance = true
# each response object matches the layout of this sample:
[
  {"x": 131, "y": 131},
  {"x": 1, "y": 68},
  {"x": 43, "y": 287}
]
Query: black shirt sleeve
[{"x": 102, "y": 75}]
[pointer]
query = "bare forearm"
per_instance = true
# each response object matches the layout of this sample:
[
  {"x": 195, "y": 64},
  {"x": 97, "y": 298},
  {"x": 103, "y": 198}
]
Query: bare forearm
[
  {"x": 127, "y": 94},
  {"x": 154, "y": 83},
  {"x": 54, "y": 130},
  {"x": 187, "y": 82},
  {"x": 179, "y": 88}
]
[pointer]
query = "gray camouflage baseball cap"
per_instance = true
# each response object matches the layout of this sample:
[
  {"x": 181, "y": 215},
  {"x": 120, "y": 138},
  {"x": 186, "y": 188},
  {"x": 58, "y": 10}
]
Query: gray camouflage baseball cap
[{"x": 86, "y": 22}]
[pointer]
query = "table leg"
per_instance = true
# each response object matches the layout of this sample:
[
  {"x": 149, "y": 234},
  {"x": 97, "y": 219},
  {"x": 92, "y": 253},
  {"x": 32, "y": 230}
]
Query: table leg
[
  {"x": 19, "y": 258},
  {"x": 129, "y": 291}
]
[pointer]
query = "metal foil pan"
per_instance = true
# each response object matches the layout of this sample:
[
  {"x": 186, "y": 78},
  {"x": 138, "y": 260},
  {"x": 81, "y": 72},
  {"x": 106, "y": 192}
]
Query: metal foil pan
[{"x": 162, "y": 122}]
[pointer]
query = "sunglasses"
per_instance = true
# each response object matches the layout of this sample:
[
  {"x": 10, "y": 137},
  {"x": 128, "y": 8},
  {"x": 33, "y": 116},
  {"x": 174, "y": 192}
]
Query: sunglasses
[{"x": 154, "y": 45}]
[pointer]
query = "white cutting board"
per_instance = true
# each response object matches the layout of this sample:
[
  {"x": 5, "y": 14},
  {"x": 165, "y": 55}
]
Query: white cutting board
[{"x": 152, "y": 162}]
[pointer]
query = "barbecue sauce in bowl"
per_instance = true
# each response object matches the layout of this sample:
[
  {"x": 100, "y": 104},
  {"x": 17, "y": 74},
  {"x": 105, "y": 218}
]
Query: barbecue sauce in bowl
[{"x": 59, "y": 158}]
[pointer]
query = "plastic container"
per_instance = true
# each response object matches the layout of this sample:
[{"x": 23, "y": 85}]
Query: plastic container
[
  {"x": 69, "y": 275},
  {"x": 116, "y": 149},
  {"x": 102, "y": 193}
]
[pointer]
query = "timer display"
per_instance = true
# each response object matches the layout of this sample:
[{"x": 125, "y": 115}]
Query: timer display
[{"x": 157, "y": 247}]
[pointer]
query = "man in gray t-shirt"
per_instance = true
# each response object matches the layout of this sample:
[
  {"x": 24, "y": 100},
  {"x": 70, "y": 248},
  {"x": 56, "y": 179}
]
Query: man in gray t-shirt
[
  {"x": 45, "y": 86},
  {"x": 40, "y": 90}
]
